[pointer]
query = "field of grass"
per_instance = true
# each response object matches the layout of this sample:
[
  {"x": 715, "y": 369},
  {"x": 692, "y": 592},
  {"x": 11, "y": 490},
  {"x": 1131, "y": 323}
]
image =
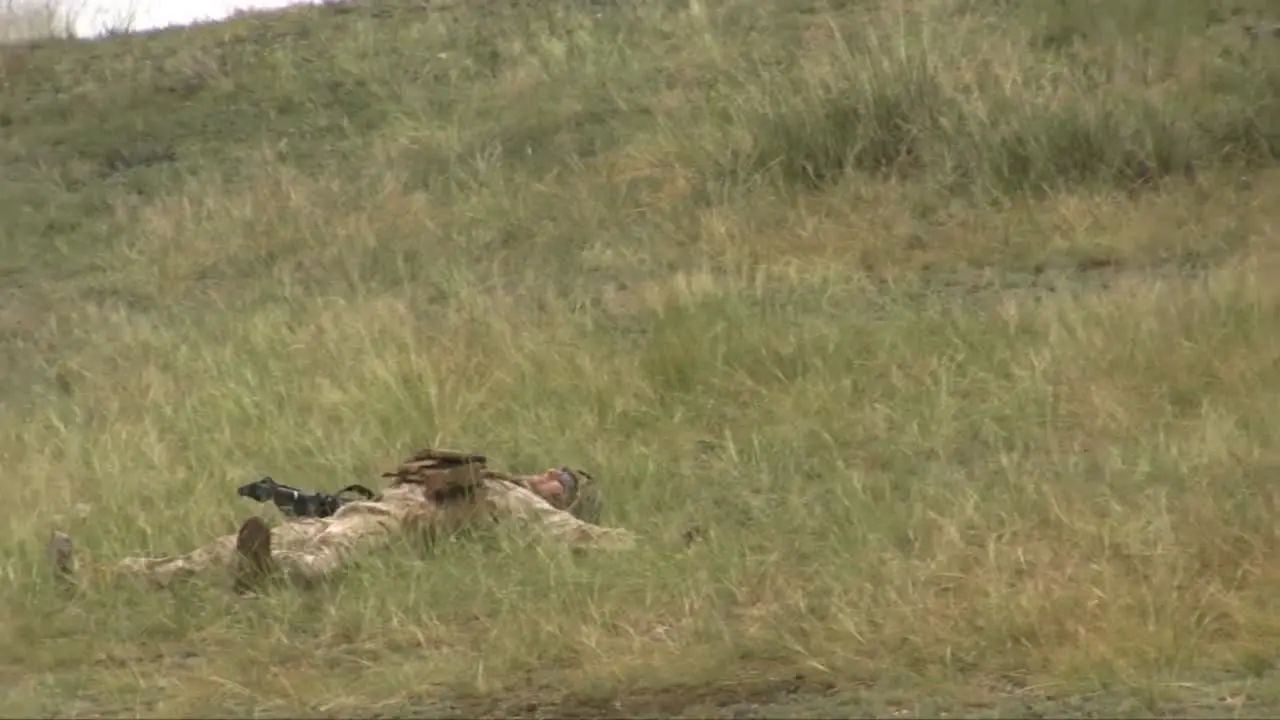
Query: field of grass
[{"x": 953, "y": 324}]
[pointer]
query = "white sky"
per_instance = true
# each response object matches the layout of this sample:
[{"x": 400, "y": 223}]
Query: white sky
[{"x": 93, "y": 17}]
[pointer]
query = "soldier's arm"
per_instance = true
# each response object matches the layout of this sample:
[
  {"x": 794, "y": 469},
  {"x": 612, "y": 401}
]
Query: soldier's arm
[{"x": 511, "y": 502}]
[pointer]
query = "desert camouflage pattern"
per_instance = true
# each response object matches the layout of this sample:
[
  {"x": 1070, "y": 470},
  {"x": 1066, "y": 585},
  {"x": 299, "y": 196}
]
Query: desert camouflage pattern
[{"x": 309, "y": 550}]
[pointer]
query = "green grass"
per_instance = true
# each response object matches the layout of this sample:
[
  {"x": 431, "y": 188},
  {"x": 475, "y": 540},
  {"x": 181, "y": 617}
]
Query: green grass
[{"x": 951, "y": 323}]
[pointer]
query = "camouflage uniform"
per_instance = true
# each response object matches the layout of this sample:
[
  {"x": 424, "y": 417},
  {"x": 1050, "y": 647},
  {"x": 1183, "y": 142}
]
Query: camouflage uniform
[{"x": 308, "y": 550}]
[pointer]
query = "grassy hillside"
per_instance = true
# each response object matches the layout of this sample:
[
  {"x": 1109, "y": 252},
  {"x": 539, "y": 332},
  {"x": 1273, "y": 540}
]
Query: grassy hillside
[{"x": 951, "y": 323}]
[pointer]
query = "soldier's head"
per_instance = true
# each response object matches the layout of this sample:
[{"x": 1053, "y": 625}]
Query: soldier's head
[{"x": 569, "y": 489}]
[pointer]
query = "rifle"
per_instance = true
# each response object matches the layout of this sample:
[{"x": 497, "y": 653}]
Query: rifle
[{"x": 300, "y": 503}]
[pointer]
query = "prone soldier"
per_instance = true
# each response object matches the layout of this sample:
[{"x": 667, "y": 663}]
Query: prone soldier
[{"x": 433, "y": 494}]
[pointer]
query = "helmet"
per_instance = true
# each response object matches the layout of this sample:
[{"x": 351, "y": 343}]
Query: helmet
[{"x": 582, "y": 494}]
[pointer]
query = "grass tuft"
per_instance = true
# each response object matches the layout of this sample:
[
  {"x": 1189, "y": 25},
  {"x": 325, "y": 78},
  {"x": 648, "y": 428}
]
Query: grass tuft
[{"x": 889, "y": 97}]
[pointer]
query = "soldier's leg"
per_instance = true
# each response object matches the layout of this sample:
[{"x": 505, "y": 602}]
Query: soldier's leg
[
  {"x": 223, "y": 554},
  {"x": 511, "y": 502},
  {"x": 161, "y": 571},
  {"x": 358, "y": 526}
]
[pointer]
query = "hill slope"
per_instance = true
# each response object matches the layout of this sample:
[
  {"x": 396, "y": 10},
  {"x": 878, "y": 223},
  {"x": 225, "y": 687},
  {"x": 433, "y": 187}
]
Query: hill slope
[{"x": 950, "y": 323}]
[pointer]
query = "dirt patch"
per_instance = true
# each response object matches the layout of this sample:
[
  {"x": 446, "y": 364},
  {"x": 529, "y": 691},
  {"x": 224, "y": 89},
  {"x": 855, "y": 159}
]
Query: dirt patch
[
  {"x": 801, "y": 697},
  {"x": 737, "y": 699}
]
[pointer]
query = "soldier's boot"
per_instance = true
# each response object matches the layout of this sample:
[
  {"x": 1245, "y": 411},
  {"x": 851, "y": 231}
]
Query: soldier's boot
[
  {"x": 253, "y": 555},
  {"x": 62, "y": 557}
]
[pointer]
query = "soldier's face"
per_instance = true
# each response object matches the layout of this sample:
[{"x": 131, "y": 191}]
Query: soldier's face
[{"x": 548, "y": 487}]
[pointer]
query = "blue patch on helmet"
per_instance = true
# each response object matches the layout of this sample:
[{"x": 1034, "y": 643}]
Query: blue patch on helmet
[{"x": 568, "y": 481}]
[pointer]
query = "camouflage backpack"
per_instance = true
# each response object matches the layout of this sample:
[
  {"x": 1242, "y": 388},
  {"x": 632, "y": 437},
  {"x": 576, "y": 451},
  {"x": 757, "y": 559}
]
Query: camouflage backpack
[{"x": 446, "y": 475}]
